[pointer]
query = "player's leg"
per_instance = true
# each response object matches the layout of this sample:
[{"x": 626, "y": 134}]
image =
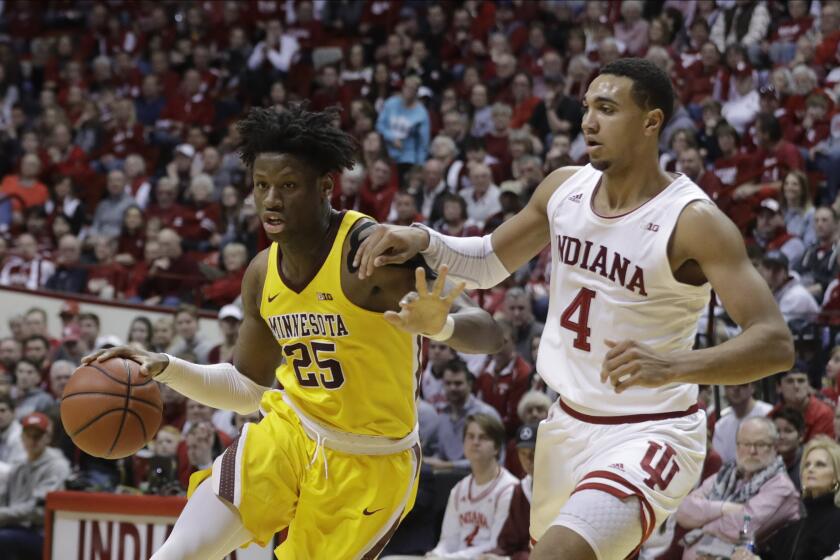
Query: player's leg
[
  {"x": 208, "y": 529},
  {"x": 358, "y": 500},
  {"x": 593, "y": 525}
]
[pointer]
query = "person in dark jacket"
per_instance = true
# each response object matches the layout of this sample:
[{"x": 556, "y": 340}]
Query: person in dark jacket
[{"x": 815, "y": 536}]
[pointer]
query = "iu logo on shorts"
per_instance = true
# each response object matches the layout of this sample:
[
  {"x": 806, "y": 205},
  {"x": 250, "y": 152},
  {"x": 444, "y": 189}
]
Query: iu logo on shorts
[{"x": 660, "y": 467}]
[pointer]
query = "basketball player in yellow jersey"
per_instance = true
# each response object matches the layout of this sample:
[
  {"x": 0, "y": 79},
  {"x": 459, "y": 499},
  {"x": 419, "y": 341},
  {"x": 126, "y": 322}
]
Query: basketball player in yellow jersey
[{"x": 336, "y": 456}]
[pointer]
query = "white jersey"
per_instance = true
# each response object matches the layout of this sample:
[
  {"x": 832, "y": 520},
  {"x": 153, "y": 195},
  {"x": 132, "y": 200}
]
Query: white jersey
[
  {"x": 611, "y": 280},
  {"x": 475, "y": 516}
]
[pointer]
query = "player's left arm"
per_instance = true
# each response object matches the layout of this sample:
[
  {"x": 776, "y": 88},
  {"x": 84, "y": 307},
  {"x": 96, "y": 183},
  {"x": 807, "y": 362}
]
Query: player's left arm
[{"x": 765, "y": 346}]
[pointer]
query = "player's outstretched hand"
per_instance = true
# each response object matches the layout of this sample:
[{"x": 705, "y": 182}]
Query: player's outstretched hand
[
  {"x": 151, "y": 363},
  {"x": 423, "y": 311},
  {"x": 629, "y": 363},
  {"x": 388, "y": 244}
]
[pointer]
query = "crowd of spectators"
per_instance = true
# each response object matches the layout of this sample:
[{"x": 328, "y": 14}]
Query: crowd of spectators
[{"x": 119, "y": 180}]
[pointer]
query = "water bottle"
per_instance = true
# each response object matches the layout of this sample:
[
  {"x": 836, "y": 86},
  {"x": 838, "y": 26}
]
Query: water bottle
[{"x": 746, "y": 537}]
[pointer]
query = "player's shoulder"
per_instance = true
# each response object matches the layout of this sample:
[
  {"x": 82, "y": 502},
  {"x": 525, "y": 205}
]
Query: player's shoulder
[
  {"x": 255, "y": 274},
  {"x": 703, "y": 229},
  {"x": 552, "y": 182}
]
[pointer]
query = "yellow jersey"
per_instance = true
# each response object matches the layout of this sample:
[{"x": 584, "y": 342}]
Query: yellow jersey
[{"x": 345, "y": 367}]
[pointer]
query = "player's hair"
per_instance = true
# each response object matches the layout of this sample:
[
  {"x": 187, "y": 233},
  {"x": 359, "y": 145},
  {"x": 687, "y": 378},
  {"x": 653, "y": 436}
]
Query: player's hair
[
  {"x": 792, "y": 416},
  {"x": 652, "y": 87},
  {"x": 310, "y": 136},
  {"x": 8, "y": 401},
  {"x": 491, "y": 426},
  {"x": 833, "y": 449}
]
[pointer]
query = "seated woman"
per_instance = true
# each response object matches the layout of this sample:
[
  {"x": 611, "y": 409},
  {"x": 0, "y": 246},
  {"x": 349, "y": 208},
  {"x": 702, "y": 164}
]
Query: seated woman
[{"x": 816, "y": 536}]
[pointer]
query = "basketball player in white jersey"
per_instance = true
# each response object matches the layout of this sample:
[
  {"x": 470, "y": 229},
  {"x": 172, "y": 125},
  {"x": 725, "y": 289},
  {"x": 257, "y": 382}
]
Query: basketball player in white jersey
[{"x": 634, "y": 251}]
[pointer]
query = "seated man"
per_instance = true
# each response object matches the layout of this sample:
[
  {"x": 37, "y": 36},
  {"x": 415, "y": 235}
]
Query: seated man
[
  {"x": 756, "y": 484},
  {"x": 446, "y": 443},
  {"x": 22, "y": 508},
  {"x": 11, "y": 445},
  {"x": 478, "y": 505}
]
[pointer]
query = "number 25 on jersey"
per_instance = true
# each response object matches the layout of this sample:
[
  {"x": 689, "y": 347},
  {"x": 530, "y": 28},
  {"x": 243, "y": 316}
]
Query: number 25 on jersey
[{"x": 327, "y": 372}]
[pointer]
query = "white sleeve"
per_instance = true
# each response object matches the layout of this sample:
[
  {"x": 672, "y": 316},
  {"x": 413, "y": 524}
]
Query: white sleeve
[
  {"x": 218, "y": 385},
  {"x": 471, "y": 259}
]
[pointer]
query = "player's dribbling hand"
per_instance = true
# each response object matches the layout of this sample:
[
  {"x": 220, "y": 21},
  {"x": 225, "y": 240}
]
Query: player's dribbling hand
[
  {"x": 424, "y": 312},
  {"x": 151, "y": 363},
  {"x": 388, "y": 244},
  {"x": 629, "y": 363}
]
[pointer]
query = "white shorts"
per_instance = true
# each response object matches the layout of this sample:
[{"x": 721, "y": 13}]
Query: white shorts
[{"x": 657, "y": 460}]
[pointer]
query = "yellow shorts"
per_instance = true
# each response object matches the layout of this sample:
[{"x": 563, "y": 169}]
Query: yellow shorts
[{"x": 348, "y": 508}]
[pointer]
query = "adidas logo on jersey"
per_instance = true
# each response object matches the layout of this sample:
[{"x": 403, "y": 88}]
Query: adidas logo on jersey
[
  {"x": 322, "y": 296},
  {"x": 576, "y": 197}
]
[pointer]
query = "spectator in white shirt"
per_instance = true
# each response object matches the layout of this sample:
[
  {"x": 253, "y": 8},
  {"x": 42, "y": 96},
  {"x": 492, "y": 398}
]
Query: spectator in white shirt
[
  {"x": 742, "y": 405},
  {"x": 483, "y": 197},
  {"x": 478, "y": 505},
  {"x": 795, "y": 302},
  {"x": 279, "y": 48}
]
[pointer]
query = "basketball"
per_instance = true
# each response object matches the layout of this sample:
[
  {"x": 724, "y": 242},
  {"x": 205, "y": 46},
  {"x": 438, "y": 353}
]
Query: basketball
[{"x": 109, "y": 410}]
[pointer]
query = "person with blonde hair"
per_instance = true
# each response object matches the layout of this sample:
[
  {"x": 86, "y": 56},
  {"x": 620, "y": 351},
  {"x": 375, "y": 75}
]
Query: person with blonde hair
[
  {"x": 815, "y": 536},
  {"x": 797, "y": 207}
]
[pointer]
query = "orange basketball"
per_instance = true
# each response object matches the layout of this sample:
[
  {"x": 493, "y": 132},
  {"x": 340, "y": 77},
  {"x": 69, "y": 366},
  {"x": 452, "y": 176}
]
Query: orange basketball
[{"x": 109, "y": 410}]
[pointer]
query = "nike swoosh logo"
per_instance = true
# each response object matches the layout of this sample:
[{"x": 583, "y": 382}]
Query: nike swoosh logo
[
  {"x": 272, "y": 298},
  {"x": 366, "y": 512}
]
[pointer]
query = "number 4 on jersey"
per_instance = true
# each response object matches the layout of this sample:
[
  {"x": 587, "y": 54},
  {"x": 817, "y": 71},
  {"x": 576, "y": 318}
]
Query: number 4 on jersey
[{"x": 580, "y": 326}]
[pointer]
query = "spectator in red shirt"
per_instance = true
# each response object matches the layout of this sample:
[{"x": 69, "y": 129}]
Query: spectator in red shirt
[
  {"x": 378, "y": 190},
  {"x": 203, "y": 216},
  {"x": 202, "y": 444},
  {"x": 172, "y": 277},
  {"x": 691, "y": 164},
  {"x": 227, "y": 287},
  {"x": 107, "y": 279},
  {"x": 774, "y": 158},
  {"x": 788, "y": 31},
  {"x": 504, "y": 379},
  {"x": 796, "y": 392},
  {"x": 25, "y": 188},
  {"x": 165, "y": 208},
  {"x": 190, "y": 106},
  {"x": 124, "y": 136}
]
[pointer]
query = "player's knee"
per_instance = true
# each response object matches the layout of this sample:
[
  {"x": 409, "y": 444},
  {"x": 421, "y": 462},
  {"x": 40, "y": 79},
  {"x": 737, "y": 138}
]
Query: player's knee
[{"x": 562, "y": 543}]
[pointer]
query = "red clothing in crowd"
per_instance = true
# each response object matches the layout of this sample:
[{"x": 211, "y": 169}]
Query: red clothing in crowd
[
  {"x": 124, "y": 140},
  {"x": 225, "y": 289},
  {"x": 819, "y": 418},
  {"x": 114, "y": 274},
  {"x": 776, "y": 162},
  {"x": 502, "y": 390},
  {"x": 195, "y": 110},
  {"x": 201, "y": 222},
  {"x": 185, "y": 469},
  {"x": 132, "y": 243},
  {"x": 377, "y": 204},
  {"x": 33, "y": 195},
  {"x": 175, "y": 216}
]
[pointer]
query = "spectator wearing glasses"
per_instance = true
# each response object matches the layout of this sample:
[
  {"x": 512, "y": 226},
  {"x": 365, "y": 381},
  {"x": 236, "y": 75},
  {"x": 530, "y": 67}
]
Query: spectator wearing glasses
[{"x": 755, "y": 484}]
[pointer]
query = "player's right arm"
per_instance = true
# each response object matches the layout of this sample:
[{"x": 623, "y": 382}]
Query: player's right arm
[
  {"x": 481, "y": 262},
  {"x": 238, "y": 387}
]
